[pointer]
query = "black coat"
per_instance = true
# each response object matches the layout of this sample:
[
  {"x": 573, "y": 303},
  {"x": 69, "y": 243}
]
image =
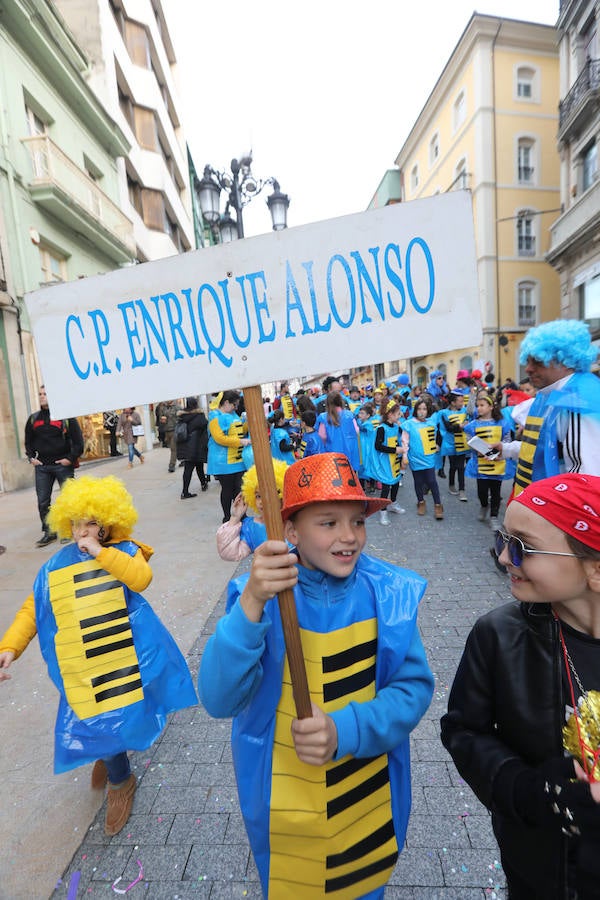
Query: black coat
[
  {"x": 195, "y": 449},
  {"x": 507, "y": 704}
]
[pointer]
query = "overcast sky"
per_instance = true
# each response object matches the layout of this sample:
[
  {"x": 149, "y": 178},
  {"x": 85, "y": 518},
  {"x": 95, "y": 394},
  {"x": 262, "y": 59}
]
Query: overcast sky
[{"x": 325, "y": 92}]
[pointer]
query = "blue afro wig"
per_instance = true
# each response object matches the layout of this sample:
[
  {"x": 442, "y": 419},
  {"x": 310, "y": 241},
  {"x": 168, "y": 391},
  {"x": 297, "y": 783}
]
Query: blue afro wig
[{"x": 566, "y": 342}]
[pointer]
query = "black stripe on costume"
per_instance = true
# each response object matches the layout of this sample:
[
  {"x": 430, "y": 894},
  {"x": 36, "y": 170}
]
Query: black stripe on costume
[
  {"x": 97, "y": 588},
  {"x": 108, "y": 648},
  {"x": 346, "y": 769},
  {"x": 377, "y": 839},
  {"x": 334, "y": 689},
  {"x": 350, "y": 656},
  {"x": 336, "y": 884},
  {"x": 120, "y": 689},
  {"x": 106, "y": 632},
  {"x": 86, "y": 576},
  {"x": 100, "y": 620},
  {"x": 117, "y": 673},
  {"x": 372, "y": 784}
]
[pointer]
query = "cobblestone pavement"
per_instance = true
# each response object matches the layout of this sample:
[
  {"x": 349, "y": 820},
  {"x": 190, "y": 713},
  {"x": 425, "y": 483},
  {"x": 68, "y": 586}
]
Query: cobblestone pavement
[{"x": 186, "y": 833}]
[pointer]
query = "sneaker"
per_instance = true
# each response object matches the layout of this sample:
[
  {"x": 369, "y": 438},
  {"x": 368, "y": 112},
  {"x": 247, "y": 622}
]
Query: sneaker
[
  {"x": 482, "y": 515},
  {"x": 396, "y": 508},
  {"x": 494, "y": 523},
  {"x": 187, "y": 496},
  {"x": 99, "y": 776},
  {"x": 462, "y": 497},
  {"x": 47, "y": 538},
  {"x": 452, "y": 490},
  {"x": 119, "y": 803},
  {"x": 384, "y": 518}
]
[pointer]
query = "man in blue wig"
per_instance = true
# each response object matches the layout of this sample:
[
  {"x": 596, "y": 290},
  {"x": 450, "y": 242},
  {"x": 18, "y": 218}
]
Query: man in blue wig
[{"x": 562, "y": 429}]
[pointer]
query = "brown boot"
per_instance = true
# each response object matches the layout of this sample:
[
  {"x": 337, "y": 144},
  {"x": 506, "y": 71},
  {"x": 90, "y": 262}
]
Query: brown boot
[
  {"x": 99, "y": 776},
  {"x": 118, "y": 809},
  {"x": 421, "y": 508},
  {"x": 438, "y": 511}
]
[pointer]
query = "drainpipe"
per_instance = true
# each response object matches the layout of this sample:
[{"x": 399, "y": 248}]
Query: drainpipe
[{"x": 495, "y": 143}]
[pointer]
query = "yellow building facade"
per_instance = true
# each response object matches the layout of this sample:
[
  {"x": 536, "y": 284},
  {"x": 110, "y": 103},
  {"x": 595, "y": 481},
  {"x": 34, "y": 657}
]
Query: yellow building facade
[{"x": 489, "y": 126}]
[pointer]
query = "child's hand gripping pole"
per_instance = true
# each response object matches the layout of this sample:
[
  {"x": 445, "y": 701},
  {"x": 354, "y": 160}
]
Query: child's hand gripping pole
[{"x": 272, "y": 516}]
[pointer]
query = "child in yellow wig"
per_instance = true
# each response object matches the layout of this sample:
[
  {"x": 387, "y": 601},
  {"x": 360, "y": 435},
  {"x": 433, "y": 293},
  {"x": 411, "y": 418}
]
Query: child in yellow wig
[
  {"x": 117, "y": 669},
  {"x": 242, "y": 534}
]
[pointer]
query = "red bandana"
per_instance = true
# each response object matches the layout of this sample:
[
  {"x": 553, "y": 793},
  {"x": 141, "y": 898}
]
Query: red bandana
[{"x": 570, "y": 501}]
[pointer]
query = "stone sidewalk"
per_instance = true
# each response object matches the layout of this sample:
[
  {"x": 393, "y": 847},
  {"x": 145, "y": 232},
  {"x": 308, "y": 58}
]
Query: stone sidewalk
[{"x": 186, "y": 837}]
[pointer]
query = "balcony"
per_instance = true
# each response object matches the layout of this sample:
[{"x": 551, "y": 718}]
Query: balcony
[
  {"x": 581, "y": 103},
  {"x": 66, "y": 192},
  {"x": 578, "y": 226}
]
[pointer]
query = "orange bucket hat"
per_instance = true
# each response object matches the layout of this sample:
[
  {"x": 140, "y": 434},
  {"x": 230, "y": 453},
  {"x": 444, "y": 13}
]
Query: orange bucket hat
[{"x": 322, "y": 478}]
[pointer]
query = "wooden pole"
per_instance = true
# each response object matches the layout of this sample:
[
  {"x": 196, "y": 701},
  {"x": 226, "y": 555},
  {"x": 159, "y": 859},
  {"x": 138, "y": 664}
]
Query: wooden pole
[{"x": 272, "y": 515}]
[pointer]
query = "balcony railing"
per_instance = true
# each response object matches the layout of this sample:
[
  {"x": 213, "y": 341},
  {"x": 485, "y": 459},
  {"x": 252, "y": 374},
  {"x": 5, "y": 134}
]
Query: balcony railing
[
  {"x": 54, "y": 170},
  {"x": 588, "y": 81},
  {"x": 525, "y": 173}
]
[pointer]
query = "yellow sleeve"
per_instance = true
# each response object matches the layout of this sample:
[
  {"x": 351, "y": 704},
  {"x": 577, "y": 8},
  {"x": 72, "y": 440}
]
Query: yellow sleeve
[
  {"x": 133, "y": 571},
  {"x": 218, "y": 435},
  {"x": 22, "y": 630}
]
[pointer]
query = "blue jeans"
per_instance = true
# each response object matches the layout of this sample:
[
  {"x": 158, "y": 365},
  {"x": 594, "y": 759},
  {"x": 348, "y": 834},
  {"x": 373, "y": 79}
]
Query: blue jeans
[
  {"x": 131, "y": 448},
  {"x": 45, "y": 476},
  {"x": 118, "y": 768}
]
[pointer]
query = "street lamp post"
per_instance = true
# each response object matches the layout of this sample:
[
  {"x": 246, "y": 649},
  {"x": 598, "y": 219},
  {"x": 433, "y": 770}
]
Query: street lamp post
[{"x": 241, "y": 187}]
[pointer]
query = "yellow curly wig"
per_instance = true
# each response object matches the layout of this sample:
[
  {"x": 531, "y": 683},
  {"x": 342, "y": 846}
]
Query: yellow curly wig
[
  {"x": 104, "y": 499},
  {"x": 250, "y": 483}
]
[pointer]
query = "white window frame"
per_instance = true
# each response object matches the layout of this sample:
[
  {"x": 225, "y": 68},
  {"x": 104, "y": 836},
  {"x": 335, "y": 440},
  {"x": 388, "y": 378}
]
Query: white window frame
[
  {"x": 414, "y": 177},
  {"x": 526, "y": 235},
  {"x": 52, "y": 274},
  {"x": 528, "y": 143},
  {"x": 460, "y": 169},
  {"x": 459, "y": 111},
  {"x": 434, "y": 149},
  {"x": 532, "y": 285},
  {"x": 534, "y": 81}
]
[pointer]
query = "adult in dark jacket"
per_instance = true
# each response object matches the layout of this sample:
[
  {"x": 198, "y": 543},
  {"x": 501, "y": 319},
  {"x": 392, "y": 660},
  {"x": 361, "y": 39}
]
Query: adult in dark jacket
[
  {"x": 193, "y": 451},
  {"x": 53, "y": 446}
]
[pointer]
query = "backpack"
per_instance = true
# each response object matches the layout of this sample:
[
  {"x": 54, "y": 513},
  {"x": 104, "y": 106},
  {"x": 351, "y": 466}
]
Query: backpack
[{"x": 181, "y": 433}]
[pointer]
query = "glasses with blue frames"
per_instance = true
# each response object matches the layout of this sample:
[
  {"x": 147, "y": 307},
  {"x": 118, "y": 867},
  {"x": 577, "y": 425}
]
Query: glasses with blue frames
[{"x": 517, "y": 549}]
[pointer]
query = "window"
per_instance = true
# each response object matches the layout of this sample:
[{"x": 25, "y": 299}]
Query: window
[
  {"x": 525, "y": 82},
  {"x": 145, "y": 128},
  {"x": 460, "y": 176},
  {"x": 589, "y": 302},
  {"x": 414, "y": 178},
  {"x": 525, "y": 161},
  {"x": 126, "y": 106},
  {"x": 52, "y": 264},
  {"x": 434, "y": 149},
  {"x": 134, "y": 189},
  {"x": 525, "y": 233},
  {"x": 526, "y": 304},
  {"x": 459, "y": 112},
  {"x": 36, "y": 127},
  {"x": 589, "y": 159},
  {"x": 465, "y": 362},
  {"x": 136, "y": 41}
]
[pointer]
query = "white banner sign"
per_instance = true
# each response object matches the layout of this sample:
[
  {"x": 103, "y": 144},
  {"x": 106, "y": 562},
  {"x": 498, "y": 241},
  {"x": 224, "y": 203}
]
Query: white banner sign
[{"x": 384, "y": 284}]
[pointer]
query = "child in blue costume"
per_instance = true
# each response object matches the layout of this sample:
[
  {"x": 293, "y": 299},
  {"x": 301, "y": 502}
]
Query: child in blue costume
[
  {"x": 227, "y": 437},
  {"x": 338, "y": 429},
  {"x": 386, "y": 463},
  {"x": 491, "y": 426},
  {"x": 454, "y": 442},
  {"x": 367, "y": 423},
  {"x": 325, "y": 799},
  {"x": 282, "y": 442},
  {"x": 117, "y": 669},
  {"x": 311, "y": 442},
  {"x": 242, "y": 534},
  {"x": 420, "y": 452}
]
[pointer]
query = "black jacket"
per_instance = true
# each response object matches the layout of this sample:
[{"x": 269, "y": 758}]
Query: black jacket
[
  {"x": 50, "y": 439},
  {"x": 195, "y": 449},
  {"x": 507, "y": 704}
]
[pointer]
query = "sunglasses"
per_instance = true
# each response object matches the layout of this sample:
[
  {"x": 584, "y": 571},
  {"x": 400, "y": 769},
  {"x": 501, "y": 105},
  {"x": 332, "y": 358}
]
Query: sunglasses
[{"x": 517, "y": 549}]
